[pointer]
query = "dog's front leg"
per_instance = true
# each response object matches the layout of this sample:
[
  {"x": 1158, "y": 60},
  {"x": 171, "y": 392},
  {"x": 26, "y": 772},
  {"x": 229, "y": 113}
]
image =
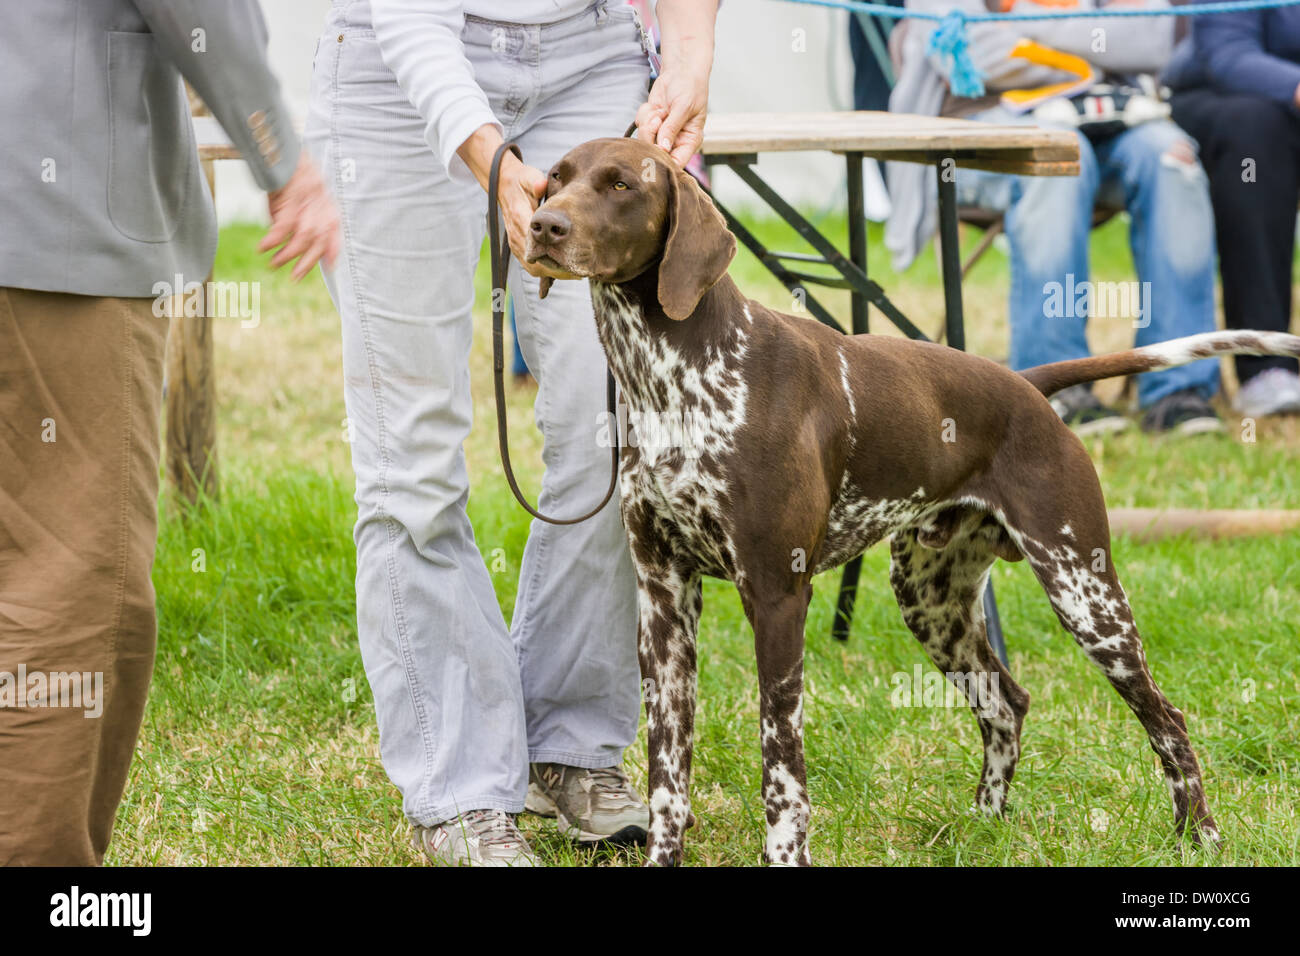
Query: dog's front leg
[
  {"x": 778, "y": 621},
  {"x": 669, "y": 601}
]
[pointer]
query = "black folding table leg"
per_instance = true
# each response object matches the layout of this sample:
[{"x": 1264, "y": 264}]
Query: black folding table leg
[
  {"x": 993, "y": 624},
  {"x": 858, "y": 312},
  {"x": 844, "y": 606},
  {"x": 950, "y": 255},
  {"x": 857, "y": 239}
]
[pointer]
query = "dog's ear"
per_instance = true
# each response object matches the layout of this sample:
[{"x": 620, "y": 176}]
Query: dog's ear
[{"x": 698, "y": 248}]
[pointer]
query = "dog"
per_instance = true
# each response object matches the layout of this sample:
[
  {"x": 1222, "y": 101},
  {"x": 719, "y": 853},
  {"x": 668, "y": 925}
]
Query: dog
[{"x": 808, "y": 447}]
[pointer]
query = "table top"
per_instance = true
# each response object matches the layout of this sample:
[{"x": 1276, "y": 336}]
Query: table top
[{"x": 1027, "y": 150}]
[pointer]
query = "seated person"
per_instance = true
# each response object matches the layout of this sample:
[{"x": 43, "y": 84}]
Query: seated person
[
  {"x": 1237, "y": 91},
  {"x": 1138, "y": 160}
]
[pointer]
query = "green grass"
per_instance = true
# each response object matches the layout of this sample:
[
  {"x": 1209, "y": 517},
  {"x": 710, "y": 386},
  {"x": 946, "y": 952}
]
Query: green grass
[{"x": 260, "y": 747}]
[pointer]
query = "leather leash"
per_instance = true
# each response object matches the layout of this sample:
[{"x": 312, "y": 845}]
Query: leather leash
[{"x": 499, "y": 250}]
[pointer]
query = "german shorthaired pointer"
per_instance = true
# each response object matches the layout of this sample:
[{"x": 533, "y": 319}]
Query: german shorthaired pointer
[{"x": 770, "y": 448}]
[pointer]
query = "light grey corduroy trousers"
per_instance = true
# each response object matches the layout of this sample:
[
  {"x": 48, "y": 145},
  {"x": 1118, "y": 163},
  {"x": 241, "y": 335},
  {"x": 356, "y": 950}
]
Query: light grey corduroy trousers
[{"x": 464, "y": 703}]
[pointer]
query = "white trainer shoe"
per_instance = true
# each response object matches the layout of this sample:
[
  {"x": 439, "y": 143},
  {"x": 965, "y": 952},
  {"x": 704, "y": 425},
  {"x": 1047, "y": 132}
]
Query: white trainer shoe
[
  {"x": 1274, "y": 391},
  {"x": 476, "y": 838}
]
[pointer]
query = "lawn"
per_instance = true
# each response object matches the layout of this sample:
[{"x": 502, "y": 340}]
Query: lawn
[{"x": 260, "y": 745}]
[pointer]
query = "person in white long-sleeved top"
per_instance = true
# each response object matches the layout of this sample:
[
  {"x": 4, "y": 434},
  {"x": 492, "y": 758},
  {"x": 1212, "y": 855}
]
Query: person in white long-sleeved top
[{"x": 410, "y": 99}]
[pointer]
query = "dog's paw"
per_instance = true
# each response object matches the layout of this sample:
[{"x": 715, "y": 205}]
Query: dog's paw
[{"x": 1206, "y": 836}]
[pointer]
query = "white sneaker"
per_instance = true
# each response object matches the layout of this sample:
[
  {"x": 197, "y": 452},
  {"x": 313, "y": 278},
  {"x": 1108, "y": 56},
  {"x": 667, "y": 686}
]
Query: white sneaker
[
  {"x": 1274, "y": 391},
  {"x": 590, "y": 806},
  {"x": 476, "y": 838}
]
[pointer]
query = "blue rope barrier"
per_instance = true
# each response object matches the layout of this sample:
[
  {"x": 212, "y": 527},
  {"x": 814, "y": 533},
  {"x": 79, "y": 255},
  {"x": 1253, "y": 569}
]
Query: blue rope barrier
[
  {"x": 949, "y": 42},
  {"x": 949, "y": 39}
]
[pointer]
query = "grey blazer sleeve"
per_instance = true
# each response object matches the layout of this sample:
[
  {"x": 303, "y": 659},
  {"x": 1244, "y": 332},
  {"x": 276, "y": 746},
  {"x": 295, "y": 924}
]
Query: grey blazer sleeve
[{"x": 220, "y": 48}]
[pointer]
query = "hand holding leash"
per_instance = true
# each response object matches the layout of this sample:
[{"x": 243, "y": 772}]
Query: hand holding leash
[
  {"x": 521, "y": 189},
  {"x": 499, "y": 250}
]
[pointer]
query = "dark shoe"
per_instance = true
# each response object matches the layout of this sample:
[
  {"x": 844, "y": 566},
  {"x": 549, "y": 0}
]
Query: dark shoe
[
  {"x": 1182, "y": 413},
  {"x": 1079, "y": 409}
]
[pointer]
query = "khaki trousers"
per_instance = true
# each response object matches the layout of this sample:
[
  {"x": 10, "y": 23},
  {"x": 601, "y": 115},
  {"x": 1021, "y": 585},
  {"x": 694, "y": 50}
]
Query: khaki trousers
[{"x": 80, "y": 396}]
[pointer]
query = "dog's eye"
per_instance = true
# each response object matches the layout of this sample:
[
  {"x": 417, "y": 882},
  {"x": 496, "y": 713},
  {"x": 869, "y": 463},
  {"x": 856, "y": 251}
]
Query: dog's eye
[
  {"x": 620, "y": 185},
  {"x": 555, "y": 176}
]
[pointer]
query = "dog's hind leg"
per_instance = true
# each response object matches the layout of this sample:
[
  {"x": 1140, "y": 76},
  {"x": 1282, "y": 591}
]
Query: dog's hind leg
[
  {"x": 940, "y": 585},
  {"x": 777, "y": 615},
  {"x": 1075, "y": 569}
]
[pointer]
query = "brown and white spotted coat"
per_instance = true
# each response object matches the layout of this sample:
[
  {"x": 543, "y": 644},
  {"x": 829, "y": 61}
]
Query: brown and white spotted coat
[{"x": 808, "y": 448}]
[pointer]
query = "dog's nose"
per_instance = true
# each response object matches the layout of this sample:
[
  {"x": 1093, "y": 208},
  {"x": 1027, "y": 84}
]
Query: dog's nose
[{"x": 550, "y": 225}]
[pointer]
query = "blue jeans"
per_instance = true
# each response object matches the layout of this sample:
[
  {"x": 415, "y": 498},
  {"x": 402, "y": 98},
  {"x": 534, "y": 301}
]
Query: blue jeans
[
  {"x": 518, "y": 364},
  {"x": 1048, "y": 222}
]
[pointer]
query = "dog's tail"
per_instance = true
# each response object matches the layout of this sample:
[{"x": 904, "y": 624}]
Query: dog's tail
[{"x": 1050, "y": 379}]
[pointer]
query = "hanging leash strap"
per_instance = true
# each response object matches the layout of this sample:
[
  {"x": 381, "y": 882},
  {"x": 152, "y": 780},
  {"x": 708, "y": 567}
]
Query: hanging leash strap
[{"x": 499, "y": 251}]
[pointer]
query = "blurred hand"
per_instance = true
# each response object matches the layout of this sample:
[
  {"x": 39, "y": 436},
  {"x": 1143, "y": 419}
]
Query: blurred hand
[
  {"x": 304, "y": 221},
  {"x": 673, "y": 114}
]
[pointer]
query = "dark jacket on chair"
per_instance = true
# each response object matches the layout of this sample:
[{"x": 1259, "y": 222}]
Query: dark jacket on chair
[{"x": 1254, "y": 52}]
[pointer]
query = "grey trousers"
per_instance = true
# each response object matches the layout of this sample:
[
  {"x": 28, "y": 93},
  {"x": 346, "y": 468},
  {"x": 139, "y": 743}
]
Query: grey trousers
[{"x": 464, "y": 703}]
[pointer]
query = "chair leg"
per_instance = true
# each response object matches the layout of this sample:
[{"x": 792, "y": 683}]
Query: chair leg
[{"x": 981, "y": 247}]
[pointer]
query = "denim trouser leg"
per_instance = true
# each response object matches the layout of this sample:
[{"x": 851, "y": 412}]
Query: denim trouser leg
[
  {"x": 1048, "y": 226},
  {"x": 1172, "y": 238},
  {"x": 456, "y": 713},
  {"x": 1048, "y": 223}
]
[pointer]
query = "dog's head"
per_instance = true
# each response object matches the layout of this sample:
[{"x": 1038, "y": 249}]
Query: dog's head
[{"x": 616, "y": 207}]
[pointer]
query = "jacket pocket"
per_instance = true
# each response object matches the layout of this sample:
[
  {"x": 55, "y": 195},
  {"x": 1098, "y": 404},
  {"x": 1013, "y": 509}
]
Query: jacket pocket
[{"x": 152, "y": 165}]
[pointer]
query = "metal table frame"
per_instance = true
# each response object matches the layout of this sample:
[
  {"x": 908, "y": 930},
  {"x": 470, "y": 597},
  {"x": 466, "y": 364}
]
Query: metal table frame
[{"x": 863, "y": 293}]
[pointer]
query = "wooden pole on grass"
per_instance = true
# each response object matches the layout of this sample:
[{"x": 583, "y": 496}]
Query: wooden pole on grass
[
  {"x": 191, "y": 453},
  {"x": 1152, "y": 524}
]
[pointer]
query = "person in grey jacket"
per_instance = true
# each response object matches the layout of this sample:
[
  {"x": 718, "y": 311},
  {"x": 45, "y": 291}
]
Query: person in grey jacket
[{"x": 102, "y": 204}]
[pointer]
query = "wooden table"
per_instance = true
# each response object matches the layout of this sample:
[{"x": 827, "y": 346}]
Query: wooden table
[
  {"x": 901, "y": 136},
  {"x": 735, "y": 140}
]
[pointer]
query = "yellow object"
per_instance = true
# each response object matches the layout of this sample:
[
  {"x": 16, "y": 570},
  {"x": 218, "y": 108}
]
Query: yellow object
[
  {"x": 1024, "y": 100},
  {"x": 1005, "y": 5}
]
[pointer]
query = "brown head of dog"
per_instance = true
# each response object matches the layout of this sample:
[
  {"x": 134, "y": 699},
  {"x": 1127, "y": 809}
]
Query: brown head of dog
[{"x": 617, "y": 207}]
